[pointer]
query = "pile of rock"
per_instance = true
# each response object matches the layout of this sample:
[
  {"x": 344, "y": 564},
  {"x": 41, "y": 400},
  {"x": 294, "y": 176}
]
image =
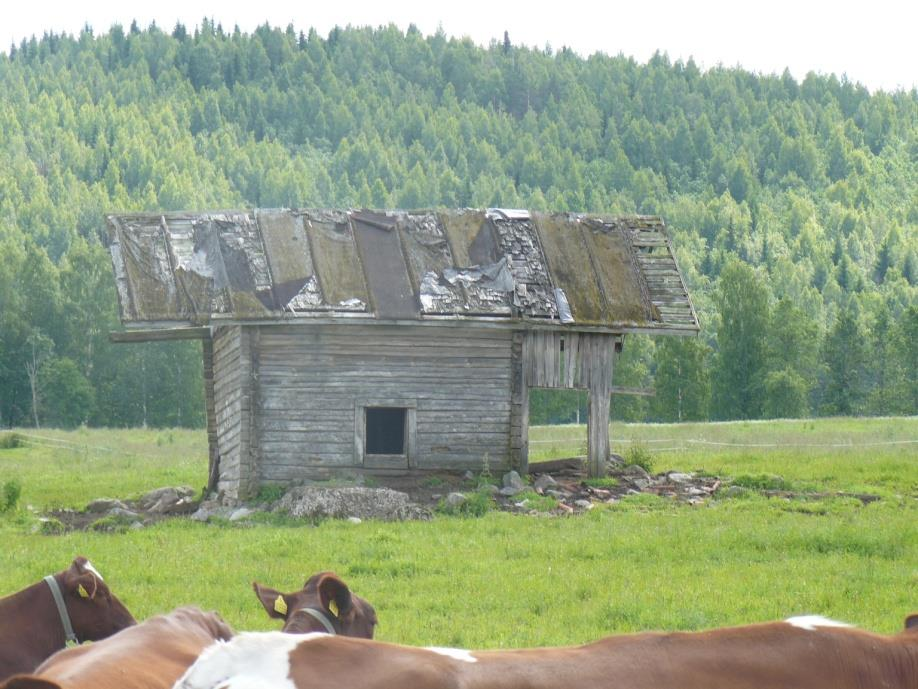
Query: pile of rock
[
  {"x": 110, "y": 514},
  {"x": 564, "y": 482},
  {"x": 353, "y": 502},
  {"x": 573, "y": 493}
]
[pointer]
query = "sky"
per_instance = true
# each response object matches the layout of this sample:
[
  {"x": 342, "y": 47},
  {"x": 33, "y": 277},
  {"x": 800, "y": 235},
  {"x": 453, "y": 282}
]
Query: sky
[{"x": 873, "y": 43}]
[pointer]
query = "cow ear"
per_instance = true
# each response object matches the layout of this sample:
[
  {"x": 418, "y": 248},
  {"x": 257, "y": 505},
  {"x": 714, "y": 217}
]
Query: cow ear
[
  {"x": 80, "y": 583},
  {"x": 911, "y": 622},
  {"x": 276, "y": 604},
  {"x": 28, "y": 682},
  {"x": 334, "y": 594}
]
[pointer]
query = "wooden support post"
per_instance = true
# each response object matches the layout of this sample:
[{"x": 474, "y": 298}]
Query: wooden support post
[
  {"x": 598, "y": 433},
  {"x": 213, "y": 469},
  {"x": 519, "y": 407},
  {"x": 601, "y": 351}
]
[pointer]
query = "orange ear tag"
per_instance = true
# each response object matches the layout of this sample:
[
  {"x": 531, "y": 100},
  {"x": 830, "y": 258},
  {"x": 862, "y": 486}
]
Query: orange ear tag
[
  {"x": 82, "y": 591},
  {"x": 280, "y": 605}
]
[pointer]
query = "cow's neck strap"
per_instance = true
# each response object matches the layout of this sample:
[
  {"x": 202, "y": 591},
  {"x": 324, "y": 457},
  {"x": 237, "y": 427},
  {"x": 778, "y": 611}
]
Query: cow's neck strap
[
  {"x": 322, "y": 618},
  {"x": 62, "y": 610}
]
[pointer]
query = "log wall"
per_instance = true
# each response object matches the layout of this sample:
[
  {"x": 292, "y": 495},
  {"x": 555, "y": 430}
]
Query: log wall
[
  {"x": 314, "y": 382},
  {"x": 233, "y": 392},
  {"x": 289, "y": 400}
]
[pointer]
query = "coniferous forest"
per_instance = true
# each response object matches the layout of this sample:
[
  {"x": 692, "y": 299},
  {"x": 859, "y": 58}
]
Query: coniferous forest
[{"x": 793, "y": 206}]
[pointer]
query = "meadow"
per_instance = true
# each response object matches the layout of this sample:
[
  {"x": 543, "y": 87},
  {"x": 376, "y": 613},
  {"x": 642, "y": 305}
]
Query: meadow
[{"x": 506, "y": 580}]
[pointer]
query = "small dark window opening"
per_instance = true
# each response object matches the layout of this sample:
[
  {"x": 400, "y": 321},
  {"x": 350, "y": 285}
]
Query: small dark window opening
[{"x": 386, "y": 430}]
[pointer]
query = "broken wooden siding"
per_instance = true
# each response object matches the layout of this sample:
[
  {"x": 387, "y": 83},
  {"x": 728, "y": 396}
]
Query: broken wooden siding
[{"x": 552, "y": 359}]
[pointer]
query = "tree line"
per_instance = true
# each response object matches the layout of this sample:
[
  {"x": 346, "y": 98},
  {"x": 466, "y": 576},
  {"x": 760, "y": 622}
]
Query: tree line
[{"x": 792, "y": 205}]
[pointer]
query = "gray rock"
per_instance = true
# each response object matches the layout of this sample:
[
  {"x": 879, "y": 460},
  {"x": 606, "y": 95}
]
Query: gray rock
[
  {"x": 123, "y": 513},
  {"x": 489, "y": 488},
  {"x": 169, "y": 500},
  {"x": 543, "y": 482},
  {"x": 633, "y": 471},
  {"x": 212, "y": 508},
  {"x": 468, "y": 476},
  {"x": 678, "y": 477},
  {"x": 736, "y": 491},
  {"x": 583, "y": 504},
  {"x": 350, "y": 501},
  {"x": 355, "y": 520},
  {"x": 513, "y": 480},
  {"x": 104, "y": 505},
  {"x": 695, "y": 491},
  {"x": 455, "y": 499},
  {"x": 136, "y": 526},
  {"x": 616, "y": 460},
  {"x": 509, "y": 491},
  {"x": 241, "y": 513}
]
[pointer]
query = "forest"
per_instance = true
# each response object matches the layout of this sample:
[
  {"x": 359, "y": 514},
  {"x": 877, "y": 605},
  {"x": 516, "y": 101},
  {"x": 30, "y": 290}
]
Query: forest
[{"x": 792, "y": 205}]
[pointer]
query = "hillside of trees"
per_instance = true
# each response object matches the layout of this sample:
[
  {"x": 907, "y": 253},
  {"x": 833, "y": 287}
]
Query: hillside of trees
[{"x": 793, "y": 206}]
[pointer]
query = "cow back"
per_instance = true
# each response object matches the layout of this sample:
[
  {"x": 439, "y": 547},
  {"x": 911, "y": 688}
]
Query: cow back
[{"x": 151, "y": 655}]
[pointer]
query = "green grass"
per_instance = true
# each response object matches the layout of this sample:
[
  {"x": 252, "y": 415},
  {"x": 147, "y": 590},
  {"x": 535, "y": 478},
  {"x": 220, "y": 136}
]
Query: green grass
[
  {"x": 503, "y": 580},
  {"x": 74, "y": 467},
  {"x": 827, "y": 454}
]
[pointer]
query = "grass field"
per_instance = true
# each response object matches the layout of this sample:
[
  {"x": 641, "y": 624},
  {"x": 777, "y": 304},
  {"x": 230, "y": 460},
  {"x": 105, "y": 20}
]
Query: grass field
[{"x": 504, "y": 580}]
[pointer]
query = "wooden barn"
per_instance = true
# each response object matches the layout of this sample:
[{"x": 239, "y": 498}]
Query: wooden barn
[{"x": 336, "y": 341}]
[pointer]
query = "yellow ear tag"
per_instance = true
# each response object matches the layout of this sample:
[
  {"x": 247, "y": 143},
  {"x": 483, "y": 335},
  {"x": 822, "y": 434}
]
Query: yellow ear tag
[
  {"x": 280, "y": 605},
  {"x": 333, "y": 606},
  {"x": 82, "y": 591}
]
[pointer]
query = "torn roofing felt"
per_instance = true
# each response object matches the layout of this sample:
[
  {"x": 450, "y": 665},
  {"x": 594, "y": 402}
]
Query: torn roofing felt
[{"x": 235, "y": 266}]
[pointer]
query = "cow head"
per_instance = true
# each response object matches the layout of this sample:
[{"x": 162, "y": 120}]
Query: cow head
[
  {"x": 323, "y": 595},
  {"x": 95, "y": 612}
]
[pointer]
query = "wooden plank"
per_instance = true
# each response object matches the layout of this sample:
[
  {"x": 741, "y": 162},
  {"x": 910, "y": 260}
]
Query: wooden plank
[
  {"x": 169, "y": 334},
  {"x": 343, "y": 433},
  {"x": 597, "y": 434},
  {"x": 471, "y": 438},
  {"x": 572, "y": 358}
]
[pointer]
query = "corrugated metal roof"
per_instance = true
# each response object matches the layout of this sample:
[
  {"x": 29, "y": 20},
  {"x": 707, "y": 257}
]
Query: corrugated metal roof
[{"x": 572, "y": 270}]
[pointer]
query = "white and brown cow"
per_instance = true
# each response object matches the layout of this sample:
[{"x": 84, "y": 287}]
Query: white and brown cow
[
  {"x": 800, "y": 653},
  {"x": 324, "y": 604},
  {"x": 37, "y": 621},
  {"x": 150, "y": 655}
]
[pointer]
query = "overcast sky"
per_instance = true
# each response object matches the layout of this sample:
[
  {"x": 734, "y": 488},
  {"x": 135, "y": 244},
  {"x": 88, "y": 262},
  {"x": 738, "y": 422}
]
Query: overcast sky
[{"x": 873, "y": 42}]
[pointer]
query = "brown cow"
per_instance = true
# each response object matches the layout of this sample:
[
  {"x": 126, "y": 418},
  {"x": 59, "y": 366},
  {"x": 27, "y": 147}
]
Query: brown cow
[
  {"x": 32, "y": 627},
  {"x": 324, "y": 604},
  {"x": 151, "y": 655},
  {"x": 800, "y": 653}
]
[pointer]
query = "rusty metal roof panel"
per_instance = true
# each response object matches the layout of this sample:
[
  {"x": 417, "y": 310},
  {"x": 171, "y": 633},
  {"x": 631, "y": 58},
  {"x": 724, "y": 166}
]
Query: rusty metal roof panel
[{"x": 571, "y": 270}]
